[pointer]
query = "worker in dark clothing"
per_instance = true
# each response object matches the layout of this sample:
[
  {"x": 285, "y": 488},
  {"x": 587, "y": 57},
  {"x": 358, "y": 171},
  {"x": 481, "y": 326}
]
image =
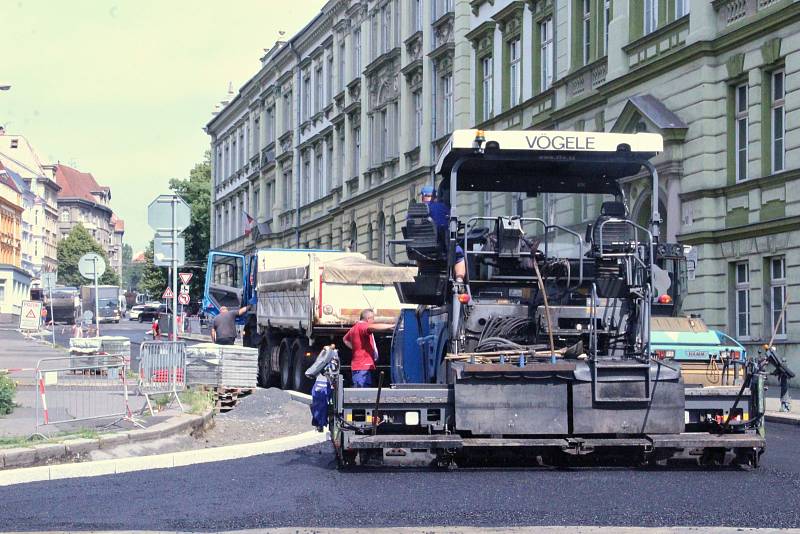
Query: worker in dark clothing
[
  {"x": 440, "y": 214},
  {"x": 223, "y": 329},
  {"x": 361, "y": 340}
]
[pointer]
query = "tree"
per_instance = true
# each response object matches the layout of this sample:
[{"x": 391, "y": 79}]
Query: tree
[
  {"x": 69, "y": 252},
  {"x": 196, "y": 191},
  {"x": 131, "y": 272},
  {"x": 153, "y": 279}
]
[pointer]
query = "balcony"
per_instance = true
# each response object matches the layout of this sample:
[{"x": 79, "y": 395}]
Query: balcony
[
  {"x": 267, "y": 155},
  {"x": 652, "y": 46},
  {"x": 732, "y": 12},
  {"x": 587, "y": 79}
]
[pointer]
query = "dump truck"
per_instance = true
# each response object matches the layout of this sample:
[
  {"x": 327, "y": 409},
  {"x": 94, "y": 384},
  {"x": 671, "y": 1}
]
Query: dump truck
[
  {"x": 543, "y": 351},
  {"x": 302, "y": 300},
  {"x": 108, "y": 307}
]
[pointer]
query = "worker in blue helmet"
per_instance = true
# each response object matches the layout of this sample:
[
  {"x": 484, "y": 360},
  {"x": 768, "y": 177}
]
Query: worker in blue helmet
[{"x": 440, "y": 213}]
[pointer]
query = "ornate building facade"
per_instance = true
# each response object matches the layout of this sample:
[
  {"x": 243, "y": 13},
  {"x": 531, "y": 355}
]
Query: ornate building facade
[{"x": 325, "y": 145}]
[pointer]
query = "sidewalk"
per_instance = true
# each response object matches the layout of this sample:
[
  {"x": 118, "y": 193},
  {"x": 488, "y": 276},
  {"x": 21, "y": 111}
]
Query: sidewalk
[{"x": 774, "y": 405}]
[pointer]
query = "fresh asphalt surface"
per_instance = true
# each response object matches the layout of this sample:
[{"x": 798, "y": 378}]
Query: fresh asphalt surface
[{"x": 302, "y": 488}]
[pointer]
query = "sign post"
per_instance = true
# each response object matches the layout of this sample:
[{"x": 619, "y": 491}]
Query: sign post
[
  {"x": 93, "y": 266},
  {"x": 48, "y": 281},
  {"x": 171, "y": 215}
]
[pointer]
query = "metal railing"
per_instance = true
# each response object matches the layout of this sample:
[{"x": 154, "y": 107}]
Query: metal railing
[
  {"x": 162, "y": 370},
  {"x": 81, "y": 388}
]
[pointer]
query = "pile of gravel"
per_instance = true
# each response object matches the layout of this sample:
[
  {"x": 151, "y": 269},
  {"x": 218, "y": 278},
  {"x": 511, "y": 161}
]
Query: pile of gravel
[{"x": 264, "y": 414}]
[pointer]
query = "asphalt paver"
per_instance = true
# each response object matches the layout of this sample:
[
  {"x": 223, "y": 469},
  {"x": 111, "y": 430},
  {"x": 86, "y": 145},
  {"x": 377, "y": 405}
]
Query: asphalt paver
[{"x": 303, "y": 488}]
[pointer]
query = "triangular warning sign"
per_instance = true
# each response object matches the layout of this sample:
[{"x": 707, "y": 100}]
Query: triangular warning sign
[
  {"x": 30, "y": 315},
  {"x": 167, "y": 294},
  {"x": 185, "y": 277}
]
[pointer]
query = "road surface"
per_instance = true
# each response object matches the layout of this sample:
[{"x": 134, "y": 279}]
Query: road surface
[{"x": 303, "y": 489}]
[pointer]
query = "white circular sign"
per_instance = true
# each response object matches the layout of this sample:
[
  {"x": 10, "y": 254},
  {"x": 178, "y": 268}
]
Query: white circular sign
[
  {"x": 183, "y": 298},
  {"x": 88, "y": 316},
  {"x": 91, "y": 264}
]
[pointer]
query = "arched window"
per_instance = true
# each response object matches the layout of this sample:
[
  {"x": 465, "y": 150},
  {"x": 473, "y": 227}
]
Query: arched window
[
  {"x": 353, "y": 237},
  {"x": 381, "y": 238},
  {"x": 370, "y": 245}
]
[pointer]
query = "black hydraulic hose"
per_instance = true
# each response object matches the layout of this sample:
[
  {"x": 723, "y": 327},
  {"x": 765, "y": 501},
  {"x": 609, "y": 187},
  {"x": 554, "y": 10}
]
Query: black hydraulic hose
[
  {"x": 377, "y": 404},
  {"x": 745, "y": 384}
]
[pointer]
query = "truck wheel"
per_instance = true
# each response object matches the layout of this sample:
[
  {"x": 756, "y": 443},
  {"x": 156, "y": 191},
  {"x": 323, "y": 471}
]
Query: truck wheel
[
  {"x": 264, "y": 364},
  {"x": 300, "y": 364},
  {"x": 285, "y": 359}
]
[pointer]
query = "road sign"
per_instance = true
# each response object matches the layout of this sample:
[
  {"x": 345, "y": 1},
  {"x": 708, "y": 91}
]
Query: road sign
[
  {"x": 162, "y": 250},
  {"x": 91, "y": 265},
  {"x": 49, "y": 280},
  {"x": 167, "y": 294},
  {"x": 159, "y": 213},
  {"x": 29, "y": 317},
  {"x": 88, "y": 316},
  {"x": 184, "y": 299},
  {"x": 185, "y": 277}
]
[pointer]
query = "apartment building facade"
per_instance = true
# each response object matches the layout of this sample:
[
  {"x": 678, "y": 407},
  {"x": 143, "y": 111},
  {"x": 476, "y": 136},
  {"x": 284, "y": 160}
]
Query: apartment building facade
[
  {"x": 14, "y": 280},
  {"x": 40, "y": 197},
  {"x": 325, "y": 145}
]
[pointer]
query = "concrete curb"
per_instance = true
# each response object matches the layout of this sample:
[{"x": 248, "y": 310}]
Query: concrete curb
[
  {"x": 75, "y": 448},
  {"x": 782, "y": 418},
  {"x": 159, "y": 461},
  {"x": 302, "y": 398}
]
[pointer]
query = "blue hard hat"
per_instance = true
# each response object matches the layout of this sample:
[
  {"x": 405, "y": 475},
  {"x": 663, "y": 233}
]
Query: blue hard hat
[{"x": 426, "y": 190}]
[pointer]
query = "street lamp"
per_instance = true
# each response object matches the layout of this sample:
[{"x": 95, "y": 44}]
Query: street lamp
[{"x": 4, "y": 87}]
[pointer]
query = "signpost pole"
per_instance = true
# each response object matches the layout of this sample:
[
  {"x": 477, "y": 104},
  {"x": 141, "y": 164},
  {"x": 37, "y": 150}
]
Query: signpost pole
[
  {"x": 52, "y": 317},
  {"x": 174, "y": 269},
  {"x": 96, "y": 300}
]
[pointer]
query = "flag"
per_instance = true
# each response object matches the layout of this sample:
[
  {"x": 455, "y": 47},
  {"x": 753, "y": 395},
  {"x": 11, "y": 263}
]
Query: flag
[{"x": 247, "y": 223}]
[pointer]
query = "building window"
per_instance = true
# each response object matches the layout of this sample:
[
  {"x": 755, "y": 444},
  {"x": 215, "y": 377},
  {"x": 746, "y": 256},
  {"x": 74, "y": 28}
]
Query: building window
[
  {"x": 318, "y": 81},
  {"x": 606, "y": 23},
  {"x": 270, "y": 126},
  {"x": 342, "y": 158},
  {"x": 487, "y": 87},
  {"x": 546, "y": 33},
  {"x": 306, "y": 97},
  {"x": 306, "y": 187},
  {"x": 356, "y": 53},
  {"x": 386, "y": 24},
  {"x": 353, "y": 237},
  {"x": 268, "y": 200},
  {"x": 416, "y": 16},
  {"x": 356, "y": 150},
  {"x": 65, "y": 216},
  {"x": 586, "y": 207},
  {"x": 650, "y": 16},
  {"x": 778, "y": 115},
  {"x": 384, "y": 135},
  {"x": 256, "y": 135},
  {"x": 329, "y": 164},
  {"x": 447, "y": 103},
  {"x": 777, "y": 299},
  {"x": 329, "y": 81},
  {"x": 241, "y": 149},
  {"x": 417, "y": 98},
  {"x": 342, "y": 61},
  {"x": 318, "y": 171},
  {"x": 742, "y": 289},
  {"x": 741, "y": 132},
  {"x": 287, "y": 112},
  {"x": 256, "y": 202},
  {"x": 287, "y": 190},
  {"x": 587, "y": 31},
  {"x": 514, "y": 72},
  {"x": 681, "y": 8}
]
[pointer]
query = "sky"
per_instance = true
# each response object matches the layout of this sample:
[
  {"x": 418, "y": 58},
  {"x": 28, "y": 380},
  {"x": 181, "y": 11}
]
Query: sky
[{"x": 123, "y": 89}]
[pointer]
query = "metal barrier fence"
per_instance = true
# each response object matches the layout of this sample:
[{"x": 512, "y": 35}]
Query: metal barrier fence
[
  {"x": 83, "y": 388},
  {"x": 162, "y": 369}
]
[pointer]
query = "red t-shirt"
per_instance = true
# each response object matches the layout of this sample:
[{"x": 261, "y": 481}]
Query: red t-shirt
[{"x": 361, "y": 340}]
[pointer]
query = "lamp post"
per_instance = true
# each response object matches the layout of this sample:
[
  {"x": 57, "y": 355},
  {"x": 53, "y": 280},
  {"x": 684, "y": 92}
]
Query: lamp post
[{"x": 4, "y": 87}]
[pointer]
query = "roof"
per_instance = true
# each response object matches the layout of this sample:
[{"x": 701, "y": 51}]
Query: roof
[
  {"x": 119, "y": 224},
  {"x": 22, "y": 159},
  {"x": 139, "y": 257},
  {"x": 545, "y": 161},
  {"x": 77, "y": 184},
  {"x": 5, "y": 178},
  {"x": 655, "y": 110}
]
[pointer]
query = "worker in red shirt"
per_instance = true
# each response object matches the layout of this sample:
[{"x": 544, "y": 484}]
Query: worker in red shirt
[{"x": 361, "y": 340}]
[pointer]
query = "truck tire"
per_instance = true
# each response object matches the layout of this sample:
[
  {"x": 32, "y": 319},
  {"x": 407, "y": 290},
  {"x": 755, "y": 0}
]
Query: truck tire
[
  {"x": 300, "y": 364},
  {"x": 265, "y": 364},
  {"x": 285, "y": 359}
]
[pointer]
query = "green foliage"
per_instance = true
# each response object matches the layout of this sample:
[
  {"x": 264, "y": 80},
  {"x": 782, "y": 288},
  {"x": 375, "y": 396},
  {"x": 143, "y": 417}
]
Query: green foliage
[
  {"x": 198, "y": 400},
  {"x": 196, "y": 191},
  {"x": 131, "y": 272},
  {"x": 153, "y": 279},
  {"x": 76, "y": 244},
  {"x": 7, "y": 390}
]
